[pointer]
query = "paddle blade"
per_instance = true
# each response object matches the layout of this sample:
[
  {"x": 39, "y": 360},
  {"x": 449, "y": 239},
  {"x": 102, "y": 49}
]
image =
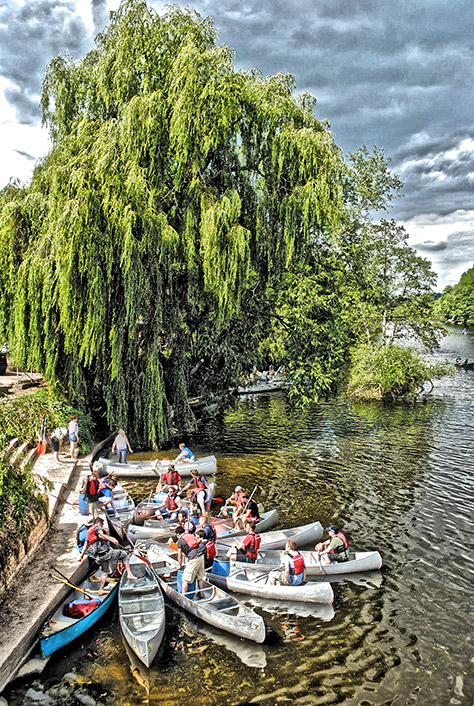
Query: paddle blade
[{"x": 40, "y": 448}]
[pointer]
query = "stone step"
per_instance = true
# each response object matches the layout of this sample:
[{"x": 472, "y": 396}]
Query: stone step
[
  {"x": 10, "y": 448},
  {"x": 18, "y": 454},
  {"x": 29, "y": 459}
]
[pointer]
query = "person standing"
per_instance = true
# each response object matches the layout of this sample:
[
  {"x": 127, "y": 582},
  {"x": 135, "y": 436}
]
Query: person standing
[
  {"x": 56, "y": 437},
  {"x": 121, "y": 445},
  {"x": 91, "y": 489},
  {"x": 192, "y": 550},
  {"x": 73, "y": 430}
]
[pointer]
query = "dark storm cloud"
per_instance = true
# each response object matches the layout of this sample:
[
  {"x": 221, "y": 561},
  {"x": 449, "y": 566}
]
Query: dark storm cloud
[
  {"x": 30, "y": 36},
  {"x": 99, "y": 14}
]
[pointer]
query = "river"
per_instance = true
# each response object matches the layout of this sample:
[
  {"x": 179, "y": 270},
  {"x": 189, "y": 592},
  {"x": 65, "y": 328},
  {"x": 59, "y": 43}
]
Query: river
[{"x": 396, "y": 478}]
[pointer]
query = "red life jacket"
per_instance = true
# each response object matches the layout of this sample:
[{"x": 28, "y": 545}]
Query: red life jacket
[
  {"x": 210, "y": 549},
  {"x": 92, "y": 489},
  {"x": 92, "y": 537},
  {"x": 253, "y": 546},
  {"x": 170, "y": 503},
  {"x": 189, "y": 520},
  {"x": 296, "y": 564},
  {"x": 341, "y": 536},
  {"x": 191, "y": 540},
  {"x": 172, "y": 478},
  {"x": 199, "y": 483}
]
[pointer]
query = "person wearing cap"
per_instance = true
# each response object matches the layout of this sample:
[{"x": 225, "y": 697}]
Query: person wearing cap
[
  {"x": 334, "y": 549},
  {"x": 235, "y": 499}
]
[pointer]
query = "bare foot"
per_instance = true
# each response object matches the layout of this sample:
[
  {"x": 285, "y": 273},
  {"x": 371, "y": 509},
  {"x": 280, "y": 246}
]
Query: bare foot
[{"x": 132, "y": 577}]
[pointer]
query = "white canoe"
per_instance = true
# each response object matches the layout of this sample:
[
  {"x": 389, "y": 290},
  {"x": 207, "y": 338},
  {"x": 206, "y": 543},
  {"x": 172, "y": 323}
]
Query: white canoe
[
  {"x": 277, "y": 539},
  {"x": 207, "y": 466},
  {"x": 255, "y": 581},
  {"x": 225, "y": 528},
  {"x": 215, "y": 607},
  {"x": 358, "y": 563},
  {"x": 154, "y": 529},
  {"x": 142, "y": 611}
]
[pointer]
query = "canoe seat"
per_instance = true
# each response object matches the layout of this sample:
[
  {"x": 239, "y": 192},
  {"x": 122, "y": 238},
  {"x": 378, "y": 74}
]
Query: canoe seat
[
  {"x": 223, "y": 604},
  {"x": 130, "y": 588}
]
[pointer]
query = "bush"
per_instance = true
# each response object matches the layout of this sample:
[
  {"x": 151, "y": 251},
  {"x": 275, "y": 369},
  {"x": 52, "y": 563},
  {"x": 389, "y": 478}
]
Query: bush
[
  {"x": 20, "y": 417},
  {"x": 389, "y": 372}
]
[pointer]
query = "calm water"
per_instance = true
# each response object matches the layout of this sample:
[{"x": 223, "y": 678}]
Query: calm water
[{"x": 395, "y": 478}]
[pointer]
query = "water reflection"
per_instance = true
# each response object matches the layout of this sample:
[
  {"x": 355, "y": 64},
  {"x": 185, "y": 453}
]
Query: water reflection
[{"x": 397, "y": 478}]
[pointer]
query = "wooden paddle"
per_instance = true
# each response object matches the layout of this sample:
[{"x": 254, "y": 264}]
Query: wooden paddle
[{"x": 69, "y": 583}]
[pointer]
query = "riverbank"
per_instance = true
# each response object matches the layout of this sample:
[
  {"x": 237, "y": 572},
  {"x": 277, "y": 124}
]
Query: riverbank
[{"x": 26, "y": 604}]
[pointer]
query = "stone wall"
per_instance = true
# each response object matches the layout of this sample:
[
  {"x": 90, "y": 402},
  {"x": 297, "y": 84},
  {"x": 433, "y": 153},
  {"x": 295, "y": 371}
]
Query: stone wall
[{"x": 16, "y": 560}]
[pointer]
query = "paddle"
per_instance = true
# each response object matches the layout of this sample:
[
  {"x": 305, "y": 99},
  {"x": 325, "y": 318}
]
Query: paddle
[
  {"x": 236, "y": 519},
  {"x": 41, "y": 445},
  {"x": 69, "y": 583}
]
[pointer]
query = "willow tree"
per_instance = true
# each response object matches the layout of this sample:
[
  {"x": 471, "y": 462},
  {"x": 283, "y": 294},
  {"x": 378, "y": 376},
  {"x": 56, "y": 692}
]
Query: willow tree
[{"x": 174, "y": 201}]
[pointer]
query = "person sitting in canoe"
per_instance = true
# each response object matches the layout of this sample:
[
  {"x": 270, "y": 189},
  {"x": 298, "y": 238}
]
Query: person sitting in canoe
[
  {"x": 293, "y": 570},
  {"x": 200, "y": 487},
  {"x": 185, "y": 454},
  {"x": 334, "y": 549},
  {"x": 185, "y": 522},
  {"x": 234, "y": 501},
  {"x": 170, "y": 507},
  {"x": 246, "y": 512},
  {"x": 97, "y": 545},
  {"x": 171, "y": 477},
  {"x": 247, "y": 550},
  {"x": 191, "y": 550},
  {"x": 106, "y": 495}
]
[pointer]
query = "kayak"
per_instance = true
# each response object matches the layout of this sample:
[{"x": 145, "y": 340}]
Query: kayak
[{"x": 207, "y": 466}]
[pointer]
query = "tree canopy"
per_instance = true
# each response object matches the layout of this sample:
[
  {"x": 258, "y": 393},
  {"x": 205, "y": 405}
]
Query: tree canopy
[{"x": 188, "y": 219}]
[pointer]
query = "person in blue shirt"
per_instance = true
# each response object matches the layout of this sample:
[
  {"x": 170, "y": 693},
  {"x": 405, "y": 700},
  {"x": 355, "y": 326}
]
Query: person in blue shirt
[
  {"x": 106, "y": 495},
  {"x": 185, "y": 454}
]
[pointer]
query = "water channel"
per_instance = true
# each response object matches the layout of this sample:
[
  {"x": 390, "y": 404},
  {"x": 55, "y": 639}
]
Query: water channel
[{"x": 397, "y": 478}]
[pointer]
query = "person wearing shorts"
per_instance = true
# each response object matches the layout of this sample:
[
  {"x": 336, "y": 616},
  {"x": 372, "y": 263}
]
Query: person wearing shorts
[{"x": 192, "y": 550}]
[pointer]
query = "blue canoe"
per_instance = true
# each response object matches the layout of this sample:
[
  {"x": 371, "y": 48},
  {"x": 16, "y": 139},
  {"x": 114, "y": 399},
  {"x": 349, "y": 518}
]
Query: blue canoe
[{"x": 59, "y": 630}]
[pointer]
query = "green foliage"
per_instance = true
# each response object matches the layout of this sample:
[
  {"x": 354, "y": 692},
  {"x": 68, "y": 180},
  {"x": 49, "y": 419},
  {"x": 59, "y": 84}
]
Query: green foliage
[
  {"x": 19, "y": 417},
  {"x": 177, "y": 195},
  {"x": 457, "y": 302},
  {"x": 388, "y": 372}
]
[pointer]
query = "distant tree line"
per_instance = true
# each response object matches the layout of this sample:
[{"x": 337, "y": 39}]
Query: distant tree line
[
  {"x": 457, "y": 302},
  {"x": 191, "y": 220}
]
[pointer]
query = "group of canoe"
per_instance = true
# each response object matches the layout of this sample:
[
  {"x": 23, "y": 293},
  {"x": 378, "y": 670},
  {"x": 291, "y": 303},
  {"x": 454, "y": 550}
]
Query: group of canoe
[{"x": 154, "y": 563}]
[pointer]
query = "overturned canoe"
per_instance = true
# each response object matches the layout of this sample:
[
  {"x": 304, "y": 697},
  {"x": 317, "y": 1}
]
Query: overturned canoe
[
  {"x": 214, "y": 605},
  {"x": 277, "y": 539},
  {"x": 359, "y": 562},
  {"x": 255, "y": 580},
  {"x": 207, "y": 466},
  {"x": 142, "y": 611},
  {"x": 67, "y": 623}
]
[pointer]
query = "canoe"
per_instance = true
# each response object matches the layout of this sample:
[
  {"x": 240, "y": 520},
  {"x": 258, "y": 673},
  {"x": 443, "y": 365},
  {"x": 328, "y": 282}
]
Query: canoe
[
  {"x": 277, "y": 539},
  {"x": 154, "y": 529},
  {"x": 358, "y": 563},
  {"x": 260, "y": 387},
  {"x": 59, "y": 630},
  {"x": 142, "y": 611},
  {"x": 216, "y": 607},
  {"x": 207, "y": 466},
  {"x": 147, "y": 508},
  {"x": 465, "y": 366},
  {"x": 225, "y": 528},
  {"x": 255, "y": 581}
]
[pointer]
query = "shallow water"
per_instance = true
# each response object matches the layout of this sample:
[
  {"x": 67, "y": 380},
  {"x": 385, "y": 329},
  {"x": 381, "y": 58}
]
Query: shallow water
[{"x": 397, "y": 478}]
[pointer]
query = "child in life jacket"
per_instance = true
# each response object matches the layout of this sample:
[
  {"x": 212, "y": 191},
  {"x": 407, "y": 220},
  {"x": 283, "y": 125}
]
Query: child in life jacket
[{"x": 292, "y": 571}]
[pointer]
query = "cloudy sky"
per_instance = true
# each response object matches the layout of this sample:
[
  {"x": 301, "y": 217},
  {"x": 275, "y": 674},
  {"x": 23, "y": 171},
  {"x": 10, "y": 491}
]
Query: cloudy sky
[{"x": 393, "y": 73}]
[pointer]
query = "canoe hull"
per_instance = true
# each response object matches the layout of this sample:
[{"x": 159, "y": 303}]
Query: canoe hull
[
  {"x": 52, "y": 640},
  {"x": 306, "y": 534},
  {"x": 206, "y": 466},
  {"x": 363, "y": 561},
  {"x": 250, "y": 582},
  {"x": 142, "y": 612}
]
